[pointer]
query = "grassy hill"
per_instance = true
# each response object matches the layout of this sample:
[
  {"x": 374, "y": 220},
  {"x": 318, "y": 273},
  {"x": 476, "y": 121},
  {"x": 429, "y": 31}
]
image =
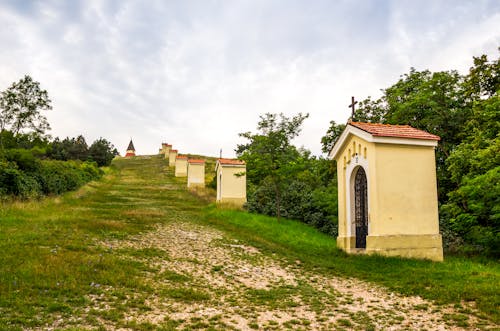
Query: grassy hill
[{"x": 93, "y": 258}]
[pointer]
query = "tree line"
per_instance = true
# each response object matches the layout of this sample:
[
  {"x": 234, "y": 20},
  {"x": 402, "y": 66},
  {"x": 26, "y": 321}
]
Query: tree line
[
  {"x": 33, "y": 164},
  {"x": 464, "y": 110}
]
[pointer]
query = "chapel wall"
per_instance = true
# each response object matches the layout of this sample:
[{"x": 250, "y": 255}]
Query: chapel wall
[{"x": 405, "y": 195}]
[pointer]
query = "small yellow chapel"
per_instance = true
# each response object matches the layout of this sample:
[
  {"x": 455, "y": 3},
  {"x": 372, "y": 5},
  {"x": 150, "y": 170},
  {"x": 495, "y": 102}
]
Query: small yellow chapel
[{"x": 387, "y": 191}]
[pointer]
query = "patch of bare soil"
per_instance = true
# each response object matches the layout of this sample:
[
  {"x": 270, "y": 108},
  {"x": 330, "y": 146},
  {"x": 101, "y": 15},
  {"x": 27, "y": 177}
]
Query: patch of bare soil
[{"x": 206, "y": 280}]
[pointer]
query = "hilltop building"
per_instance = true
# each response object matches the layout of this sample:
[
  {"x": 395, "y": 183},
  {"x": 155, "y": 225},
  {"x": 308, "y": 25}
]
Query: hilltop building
[
  {"x": 130, "y": 149},
  {"x": 387, "y": 191}
]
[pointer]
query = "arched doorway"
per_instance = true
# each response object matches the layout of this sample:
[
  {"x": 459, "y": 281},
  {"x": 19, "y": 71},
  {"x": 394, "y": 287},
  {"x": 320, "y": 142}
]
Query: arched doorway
[{"x": 361, "y": 207}]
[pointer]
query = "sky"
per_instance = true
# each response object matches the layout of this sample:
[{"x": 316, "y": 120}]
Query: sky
[{"x": 194, "y": 74}]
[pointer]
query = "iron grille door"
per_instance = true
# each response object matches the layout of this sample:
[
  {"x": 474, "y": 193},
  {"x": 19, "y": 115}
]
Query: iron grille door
[{"x": 361, "y": 208}]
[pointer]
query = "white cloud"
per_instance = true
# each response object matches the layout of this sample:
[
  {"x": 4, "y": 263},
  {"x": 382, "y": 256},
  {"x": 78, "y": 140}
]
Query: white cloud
[{"x": 196, "y": 73}]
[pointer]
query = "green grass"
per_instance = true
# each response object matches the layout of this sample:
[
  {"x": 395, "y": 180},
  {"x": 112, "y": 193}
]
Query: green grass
[{"x": 52, "y": 257}]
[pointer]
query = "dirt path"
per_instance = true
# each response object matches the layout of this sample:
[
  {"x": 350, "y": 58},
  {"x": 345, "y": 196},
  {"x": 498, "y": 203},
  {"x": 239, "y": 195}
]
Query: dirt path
[{"x": 206, "y": 280}]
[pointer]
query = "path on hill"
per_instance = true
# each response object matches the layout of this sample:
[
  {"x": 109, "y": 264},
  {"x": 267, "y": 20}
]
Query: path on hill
[{"x": 197, "y": 277}]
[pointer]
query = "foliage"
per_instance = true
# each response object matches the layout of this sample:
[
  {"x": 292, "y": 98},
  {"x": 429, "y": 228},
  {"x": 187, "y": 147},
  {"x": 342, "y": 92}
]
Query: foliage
[
  {"x": 21, "y": 105},
  {"x": 331, "y": 136},
  {"x": 269, "y": 154},
  {"x": 27, "y": 157},
  {"x": 286, "y": 181},
  {"x": 102, "y": 152},
  {"x": 25, "y": 176}
]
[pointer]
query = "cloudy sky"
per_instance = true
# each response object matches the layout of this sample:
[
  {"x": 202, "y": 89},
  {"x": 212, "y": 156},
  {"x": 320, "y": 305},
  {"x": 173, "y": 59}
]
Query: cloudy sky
[{"x": 196, "y": 73}]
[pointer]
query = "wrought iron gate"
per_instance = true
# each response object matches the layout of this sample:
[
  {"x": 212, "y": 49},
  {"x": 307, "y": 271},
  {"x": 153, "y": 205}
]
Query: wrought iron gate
[{"x": 361, "y": 207}]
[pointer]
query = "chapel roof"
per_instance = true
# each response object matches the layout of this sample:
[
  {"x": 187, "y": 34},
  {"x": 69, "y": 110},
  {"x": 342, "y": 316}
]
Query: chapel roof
[
  {"x": 181, "y": 157},
  {"x": 390, "y": 130},
  {"x": 196, "y": 161},
  {"x": 230, "y": 161},
  {"x": 130, "y": 146},
  {"x": 384, "y": 133},
  {"x": 173, "y": 151}
]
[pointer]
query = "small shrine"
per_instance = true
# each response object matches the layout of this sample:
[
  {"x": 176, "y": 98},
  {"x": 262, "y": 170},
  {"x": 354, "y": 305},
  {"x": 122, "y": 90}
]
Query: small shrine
[
  {"x": 181, "y": 165},
  {"x": 387, "y": 191},
  {"x": 196, "y": 173},
  {"x": 165, "y": 150},
  {"x": 172, "y": 154},
  {"x": 231, "y": 181}
]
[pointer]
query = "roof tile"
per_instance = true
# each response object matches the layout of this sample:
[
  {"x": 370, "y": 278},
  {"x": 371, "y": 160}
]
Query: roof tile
[
  {"x": 231, "y": 161},
  {"x": 390, "y": 130},
  {"x": 196, "y": 161}
]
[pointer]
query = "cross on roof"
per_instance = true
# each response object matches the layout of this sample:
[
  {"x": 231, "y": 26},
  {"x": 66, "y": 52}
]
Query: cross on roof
[{"x": 352, "y": 105}]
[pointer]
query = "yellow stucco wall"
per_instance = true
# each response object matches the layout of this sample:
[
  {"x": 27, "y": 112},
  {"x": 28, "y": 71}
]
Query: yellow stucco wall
[
  {"x": 406, "y": 192},
  {"x": 196, "y": 175},
  {"x": 231, "y": 188},
  {"x": 402, "y": 198},
  {"x": 181, "y": 166},
  {"x": 171, "y": 158},
  {"x": 166, "y": 151}
]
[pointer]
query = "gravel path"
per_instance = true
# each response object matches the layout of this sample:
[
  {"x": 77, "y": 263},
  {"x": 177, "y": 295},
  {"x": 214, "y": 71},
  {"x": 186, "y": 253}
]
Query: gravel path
[{"x": 224, "y": 284}]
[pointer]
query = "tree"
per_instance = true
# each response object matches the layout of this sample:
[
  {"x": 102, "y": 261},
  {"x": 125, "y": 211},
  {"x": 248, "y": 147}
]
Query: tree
[
  {"x": 102, "y": 152},
  {"x": 77, "y": 148},
  {"x": 21, "y": 105},
  {"x": 331, "y": 136},
  {"x": 269, "y": 154}
]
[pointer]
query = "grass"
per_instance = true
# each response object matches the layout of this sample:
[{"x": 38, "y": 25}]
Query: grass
[{"x": 52, "y": 257}]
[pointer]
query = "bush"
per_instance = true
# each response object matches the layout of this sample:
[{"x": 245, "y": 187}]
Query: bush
[
  {"x": 15, "y": 182},
  {"x": 299, "y": 201},
  {"x": 47, "y": 177},
  {"x": 57, "y": 177}
]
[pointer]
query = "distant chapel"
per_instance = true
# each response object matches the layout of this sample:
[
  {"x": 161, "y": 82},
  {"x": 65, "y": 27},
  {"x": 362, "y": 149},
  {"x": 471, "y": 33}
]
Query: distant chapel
[{"x": 130, "y": 149}]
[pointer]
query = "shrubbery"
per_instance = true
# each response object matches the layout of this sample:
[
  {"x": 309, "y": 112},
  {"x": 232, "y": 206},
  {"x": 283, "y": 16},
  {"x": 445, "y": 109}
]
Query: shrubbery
[
  {"x": 45, "y": 177},
  {"x": 30, "y": 164}
]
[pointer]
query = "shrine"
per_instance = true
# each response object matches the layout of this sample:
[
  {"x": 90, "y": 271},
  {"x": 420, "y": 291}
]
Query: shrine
[
  {"x": 172, "y": 154},
  {"x": 231, "y": 181},
  {"x": 181, "y": 164},
  {"x": 196, "y": 173},
  {"x": 387, "y": 191}
]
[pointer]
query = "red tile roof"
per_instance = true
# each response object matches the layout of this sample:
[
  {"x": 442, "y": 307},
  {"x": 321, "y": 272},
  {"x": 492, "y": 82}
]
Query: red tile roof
[
  {"x": 196, "y": 161},
  {"x": 173, "y": 151},
  {"x": 389, "y": 130},
  {"x": 231, "y": 161},
  {"x": 181, "y": 157}
]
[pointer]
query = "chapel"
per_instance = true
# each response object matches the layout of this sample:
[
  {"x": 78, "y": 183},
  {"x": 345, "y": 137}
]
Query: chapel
[
  {"x": 387, "y": 191},
  {"x": 130, "y": 149},
  {"x": 231, "y": 181},
  {"x": 181, "y": 164},
  {"x": 196, "y": 173},
  {"x": 172, "y": 154}
]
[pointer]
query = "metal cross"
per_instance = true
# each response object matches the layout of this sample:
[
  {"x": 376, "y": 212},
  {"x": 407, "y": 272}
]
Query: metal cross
[{"x": 352, "y": 105}]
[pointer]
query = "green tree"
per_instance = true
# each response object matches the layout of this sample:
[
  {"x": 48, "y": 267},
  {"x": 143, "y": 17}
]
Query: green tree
[
  {"x": 21, "y": 105},
  {"x": 102, "y": 152},
  {"x": 472, "y": 210},
  {"x": 331, "y": 136},
  {"x": 269, "y": 154}
]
